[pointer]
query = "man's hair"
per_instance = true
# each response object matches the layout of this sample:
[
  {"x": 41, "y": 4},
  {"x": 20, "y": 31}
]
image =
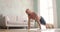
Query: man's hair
[{"x": 27, "y": 10}]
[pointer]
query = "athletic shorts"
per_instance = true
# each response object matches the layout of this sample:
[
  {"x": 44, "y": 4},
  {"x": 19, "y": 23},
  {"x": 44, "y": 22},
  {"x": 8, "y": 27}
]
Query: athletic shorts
[{"x": 42, "y": 21}]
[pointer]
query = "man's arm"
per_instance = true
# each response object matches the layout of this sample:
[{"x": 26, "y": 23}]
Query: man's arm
[
  {"x": 39, "y": 24},
  {"x": 28, "y": 22},
  {"x": 38, "y": 21}
]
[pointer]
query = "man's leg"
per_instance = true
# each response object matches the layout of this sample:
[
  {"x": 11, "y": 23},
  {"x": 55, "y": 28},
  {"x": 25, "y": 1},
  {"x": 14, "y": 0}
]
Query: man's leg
[
  {"x": 44, "y": 23},
  {"x": 49, "y": 26}
]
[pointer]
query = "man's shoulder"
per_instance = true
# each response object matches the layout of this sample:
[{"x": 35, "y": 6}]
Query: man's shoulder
[{"x": 34, "y": 13}]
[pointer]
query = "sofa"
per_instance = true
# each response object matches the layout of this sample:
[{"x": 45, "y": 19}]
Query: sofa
[{"x": 14, "y": 21}]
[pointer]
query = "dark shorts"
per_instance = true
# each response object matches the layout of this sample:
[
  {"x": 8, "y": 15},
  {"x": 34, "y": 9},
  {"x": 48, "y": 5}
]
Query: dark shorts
[{"x": 42, "y": 21}]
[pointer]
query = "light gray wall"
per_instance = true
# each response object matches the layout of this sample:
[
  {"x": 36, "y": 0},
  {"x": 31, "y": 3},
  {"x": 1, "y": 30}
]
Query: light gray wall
[
  {"x": 58, "y": 12},
  {"x": 15, "y": 7},
  {"x": 9, "y": 7}
]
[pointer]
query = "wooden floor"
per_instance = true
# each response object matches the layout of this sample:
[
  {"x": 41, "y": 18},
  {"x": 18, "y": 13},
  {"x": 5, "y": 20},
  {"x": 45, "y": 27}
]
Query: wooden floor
[
  {"x": 16, "y": 30},
  {"x": 26, "y": 30}
]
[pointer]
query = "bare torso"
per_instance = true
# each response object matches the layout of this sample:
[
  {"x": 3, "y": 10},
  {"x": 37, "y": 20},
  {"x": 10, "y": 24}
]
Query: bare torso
[{"x": 33, "y": 16}]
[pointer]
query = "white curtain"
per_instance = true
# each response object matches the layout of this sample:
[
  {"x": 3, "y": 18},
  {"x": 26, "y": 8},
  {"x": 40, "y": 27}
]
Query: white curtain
[{"x": 46, "y": 10}]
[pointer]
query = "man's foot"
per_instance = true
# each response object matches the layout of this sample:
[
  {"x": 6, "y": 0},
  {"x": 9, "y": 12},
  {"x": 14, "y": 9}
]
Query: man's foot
[{"x": 49, "y": 26}]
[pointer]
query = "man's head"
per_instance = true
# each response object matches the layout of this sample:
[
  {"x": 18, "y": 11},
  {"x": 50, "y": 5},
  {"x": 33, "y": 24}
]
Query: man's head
[{"x": 28, "y": 11}]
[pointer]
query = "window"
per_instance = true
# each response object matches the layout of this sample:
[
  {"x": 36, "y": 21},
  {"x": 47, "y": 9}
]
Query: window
[{"x": 46, "y": 10}]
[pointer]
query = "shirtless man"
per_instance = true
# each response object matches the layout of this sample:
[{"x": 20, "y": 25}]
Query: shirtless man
[{"x": 39, "y": 20}]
